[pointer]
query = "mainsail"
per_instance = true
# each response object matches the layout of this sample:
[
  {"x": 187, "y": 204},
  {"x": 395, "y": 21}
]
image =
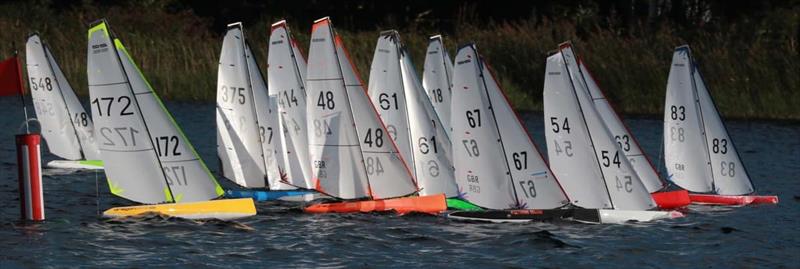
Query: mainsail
[
  {"x": 238, "y": 130},
  {"x": 437, "y": 79},
  {"x": 580, "y": 139},
  {"x": 495, "y": 169},
  {"x": 404, "y": 107},
  {"x": 340, "y": 118},
  {"x": 286, "y": 72},
  {"x": 699, "y": 153},
  {"x": 147, "y": 157},
  {"x": 66, "y": 126}
]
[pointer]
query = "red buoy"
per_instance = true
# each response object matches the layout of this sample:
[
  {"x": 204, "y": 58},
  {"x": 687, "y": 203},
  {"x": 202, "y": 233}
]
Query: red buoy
[{"x": 29, "y": 172}]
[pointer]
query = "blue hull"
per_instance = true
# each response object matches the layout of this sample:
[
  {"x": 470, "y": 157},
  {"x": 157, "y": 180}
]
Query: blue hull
[{"x": 261, "y": 196}]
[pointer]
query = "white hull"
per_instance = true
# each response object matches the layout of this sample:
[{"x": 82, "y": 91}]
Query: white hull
[
  {"x": 610, "y": 216},
  {"x": 64, "y": 164}
]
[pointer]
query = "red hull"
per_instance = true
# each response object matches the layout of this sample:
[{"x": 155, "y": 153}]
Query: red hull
[
  {"x": 714, "y": 199},
  {"x": 432, "y": 204},
  {"x": 672, "y": 199}
]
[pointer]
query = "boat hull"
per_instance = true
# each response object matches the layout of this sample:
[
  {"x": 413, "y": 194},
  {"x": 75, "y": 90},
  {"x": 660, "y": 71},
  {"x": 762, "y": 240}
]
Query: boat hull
[
  {"x": 612, "y": 216},
  {"x": 85, "y": 164},
  {"x": 432, "y": 204},
  {"x": 672, "y": 199},
  {"x": 462, "y": 205},
  {"x": 583, "y": 215},
  {"x": 278, "y": 195},
  {"x": 732, "y": 200},
  {"x": 224, "y": 209}
]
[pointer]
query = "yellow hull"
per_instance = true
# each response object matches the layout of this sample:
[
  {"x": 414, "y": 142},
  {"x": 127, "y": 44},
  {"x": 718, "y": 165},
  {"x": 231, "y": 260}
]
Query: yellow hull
[{"x": 224, "y": 209}]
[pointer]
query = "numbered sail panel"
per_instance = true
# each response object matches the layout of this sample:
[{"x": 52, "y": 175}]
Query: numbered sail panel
[
  {"x": 568, "y": 143},
  {"x": 241, "y": 138},
  {"x": 622, "y": 183},
  {"x": 730, "y": 176},
  {"x": 431, "y": 145},
  {"x": 387, "y": 94},
  {"x": 375, "y": 137},
  {"x": 533, "y": 181},
  {"x": 51, "y": 109},
  {"x": 437, "y": 77},
  {"x": 481, "y": 172},
  {"x": 132, "y": 168},
  {"x": 285, "y": 72},
  {"x": 80, "y": 119},
  {"x": 334, "y": 149},
  {"x": 625, "y": 140},
  {"x": 686, "y": 154},
  {"x": 184, "y": 171}
]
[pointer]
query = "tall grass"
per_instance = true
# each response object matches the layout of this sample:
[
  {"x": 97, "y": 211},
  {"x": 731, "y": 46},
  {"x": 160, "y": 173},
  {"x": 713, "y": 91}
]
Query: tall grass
[{"x": 753, "y": 71}]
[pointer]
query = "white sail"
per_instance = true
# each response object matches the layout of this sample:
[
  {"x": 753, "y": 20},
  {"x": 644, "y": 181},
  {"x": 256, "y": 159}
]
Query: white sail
[
  {"x": 334, "y": 150},
  {"x": 266, "y": 108},
  {"x": 52, "y": 112},
  {"x": 569, "y": 148},
  {"x": 536, "y": 186},
  {"x": 388, "y": 174},
  {"x": 147, "y": 157},
  {"x": 286, "y": 73},
  {"x": 630, "y": 147},
  {"x": 622, "y": 182},
  {"x": 238, "y": 130},
  {"x": 729, "y": 173},
  {"x": 430, "y": 141},
  {"x": 408, "y": 113},
  {"x": 686, "y": 153},
  {"x": 387, "y": 93},
  {"x": 437, "y": 78},
  {"x": 481, "y": 172}
]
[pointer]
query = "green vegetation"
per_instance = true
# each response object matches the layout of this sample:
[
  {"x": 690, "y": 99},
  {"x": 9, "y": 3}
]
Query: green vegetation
[{"x": 752, "y": 66}]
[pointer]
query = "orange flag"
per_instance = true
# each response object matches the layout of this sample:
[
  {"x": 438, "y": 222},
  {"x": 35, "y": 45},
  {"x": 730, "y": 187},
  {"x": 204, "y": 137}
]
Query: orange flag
[{"x": 11, "y": 77}]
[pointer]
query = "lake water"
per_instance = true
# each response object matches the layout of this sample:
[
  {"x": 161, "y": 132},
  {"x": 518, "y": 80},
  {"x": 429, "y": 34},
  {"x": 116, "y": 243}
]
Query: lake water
[{"x": 281, "y": 235}]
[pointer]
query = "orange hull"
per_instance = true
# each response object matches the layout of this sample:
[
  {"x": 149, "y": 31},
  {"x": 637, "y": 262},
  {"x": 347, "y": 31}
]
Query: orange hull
[
  {"x": 672, "y": 199},
  {"x": 432, "y": 204}
]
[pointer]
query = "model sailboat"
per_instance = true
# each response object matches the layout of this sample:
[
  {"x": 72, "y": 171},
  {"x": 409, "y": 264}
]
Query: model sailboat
[
  {"x": 249, "y": 145},
  {"x": 622, "y": 136},
  {"x": 583, "y": 154},
  {"x": 410, "y": 117},
  {"x": 66, "y": 126},
  {"x": 352, "y": 155},
  {"x": 437, "y": 78},
  {"x": 699, "y": 154},
  {"x": 147, "y": 157}
]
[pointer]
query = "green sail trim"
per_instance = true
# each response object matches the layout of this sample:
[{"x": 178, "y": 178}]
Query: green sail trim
[
  {"x": 218, "y": 188},
  {"x": 459, "y": 204}
]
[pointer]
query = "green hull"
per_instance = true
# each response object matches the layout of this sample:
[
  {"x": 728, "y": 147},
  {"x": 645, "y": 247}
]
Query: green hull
[{"x": 458, "y": 204}]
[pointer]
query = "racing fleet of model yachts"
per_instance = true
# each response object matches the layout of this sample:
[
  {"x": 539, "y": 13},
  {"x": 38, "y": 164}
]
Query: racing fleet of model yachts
[{"x": 449, "y": 142}]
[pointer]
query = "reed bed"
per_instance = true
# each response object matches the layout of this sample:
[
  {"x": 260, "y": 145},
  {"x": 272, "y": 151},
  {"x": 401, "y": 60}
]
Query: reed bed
[{"x": 751, "y": 75}]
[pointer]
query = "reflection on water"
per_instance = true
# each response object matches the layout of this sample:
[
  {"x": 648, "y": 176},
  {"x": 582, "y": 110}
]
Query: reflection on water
[{"x": 281, "y": 235}]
